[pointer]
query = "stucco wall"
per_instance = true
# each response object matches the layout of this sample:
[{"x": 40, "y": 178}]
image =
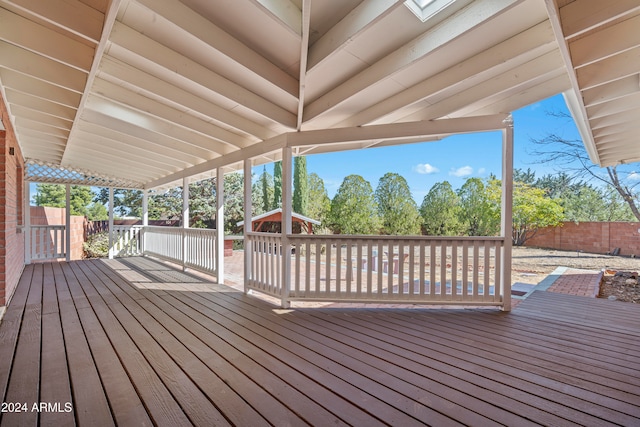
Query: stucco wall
[{"x": 41, "y": 215}]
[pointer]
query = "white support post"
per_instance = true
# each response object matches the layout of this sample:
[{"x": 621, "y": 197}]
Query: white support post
[
  {"x": 185, "y": 221},
  {"x": 67, "y": 223},
  {"x": 145, "y": 207},
  {"x": 111, "y": 223},
  {"x": 506, "y": 214},
  {"x": 287, "y": 175},
  {"x": 27, "y": 223},
  {"x": 220, "y": 225},
  {"x": 145, "y": 217},
  {"x": 247, "y": 224}
]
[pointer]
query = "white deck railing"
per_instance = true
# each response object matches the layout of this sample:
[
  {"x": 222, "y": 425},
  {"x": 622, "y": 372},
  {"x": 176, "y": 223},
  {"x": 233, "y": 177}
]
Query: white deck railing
[
  {"x": 390, "y": 269},
  {"x": 266, "y": 262},
  {"x": 48, "y": 242},
  {"x": 126, "y": 240},
  {"x": 190, "y": 247}
]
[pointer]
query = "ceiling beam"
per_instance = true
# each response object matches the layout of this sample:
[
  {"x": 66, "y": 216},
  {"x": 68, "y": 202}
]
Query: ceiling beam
[
  {"x": 178, "y": 64},
  {"x": 573, "y": 100},
  {"x": 614, "y": 67},
  {"x": 434, "y": 38},
  {"x": 253, "y": 151},
  {"x": 520, "y": 48},
  {"x": 578, "y": 17},
  {"x": 35, "y": 87},
  {"x": 304, "y": 51},
  {"x": 125, "y": 75},
  {"x": 72, "y": 15},
  {"x": 32, "y": 36},
  {"x": 599, "y": 45},
  {"x": 363, "y": 16},
  {"x": 199, "y": 27},
  {"x": 192, "y": 129},
  {"x": 39, "y": 104},
  {"x": 427, "y": 128},
  {"x": 109, "y": 20},
  {"x": 284, "y": 11},
  {"x": 37, "y": 66}
]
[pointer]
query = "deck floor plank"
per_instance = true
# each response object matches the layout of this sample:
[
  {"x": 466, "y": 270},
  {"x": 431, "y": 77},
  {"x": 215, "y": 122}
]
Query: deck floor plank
[
  {"x": 416, "y": 388},
  {"x": 190, "y": 398},
  {"x": 55, "y": 384},
  {"x": 24, "y": 381},
  {"x": 214, "y": 389},
  {"x": 136, "y": 342},
  {"x": 272, "y": 409},
  {"x": 10, "y": 330}
]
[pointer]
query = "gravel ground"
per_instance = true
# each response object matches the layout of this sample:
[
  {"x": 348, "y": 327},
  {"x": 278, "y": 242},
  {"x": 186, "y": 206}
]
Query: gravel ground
[
  {"x": 531, "y": 265},
  {"x": 620, "y": 279}
]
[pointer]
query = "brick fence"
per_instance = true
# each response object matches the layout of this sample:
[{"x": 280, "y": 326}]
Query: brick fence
[
  {"x": 41, "y": 215},
  {"x": 594, "y": 237}
]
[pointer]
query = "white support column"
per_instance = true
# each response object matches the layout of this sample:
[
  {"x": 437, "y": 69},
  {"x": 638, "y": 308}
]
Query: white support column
[
  {"x": 67, "y": 222},
  {"x": 506, "y": 214},
  {"x": 111, "y": 223},
  {"x": 220, "y": 225},
  {"x": 287, "y": 193},
  {"x": 27, "y": 222},
  {"x": 145, "y": 207},
  {"x": 145, "y": 217},
  {"x": 185, "y": 221},
  {"x": 247, "y": 224}
]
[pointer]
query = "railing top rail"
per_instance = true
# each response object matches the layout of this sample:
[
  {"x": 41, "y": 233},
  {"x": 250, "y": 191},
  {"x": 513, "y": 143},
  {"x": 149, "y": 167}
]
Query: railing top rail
[
  {"x": 386, "y": 237},
  {"x": 54, "y": 226},
  {"x": 257, "y": 234}
]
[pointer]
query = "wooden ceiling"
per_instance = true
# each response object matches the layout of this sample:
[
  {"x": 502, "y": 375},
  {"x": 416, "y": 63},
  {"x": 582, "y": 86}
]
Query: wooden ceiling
[{"x": 150, "y": 91}]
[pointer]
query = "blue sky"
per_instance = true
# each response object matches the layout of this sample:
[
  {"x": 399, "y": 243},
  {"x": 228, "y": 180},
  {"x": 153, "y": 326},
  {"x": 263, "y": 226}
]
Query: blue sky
[{"x": 453, "y": 159}]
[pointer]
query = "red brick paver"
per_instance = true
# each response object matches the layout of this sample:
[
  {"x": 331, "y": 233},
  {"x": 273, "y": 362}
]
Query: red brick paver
[{"x": 577, "y": 282}]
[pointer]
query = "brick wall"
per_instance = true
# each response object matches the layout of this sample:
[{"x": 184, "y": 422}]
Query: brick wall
[
  {"x": 595, "y": 237},
  {"x": 41, "y": 215},
  {"x": 11, "y": 208}
]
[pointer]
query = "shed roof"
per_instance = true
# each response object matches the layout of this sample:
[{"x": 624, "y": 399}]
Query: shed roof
[{"x": 279, "y": 211}]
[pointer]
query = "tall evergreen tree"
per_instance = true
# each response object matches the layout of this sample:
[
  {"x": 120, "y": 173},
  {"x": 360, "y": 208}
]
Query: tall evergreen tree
[
  {"x": 439, "y": 211},
  {"x": 300, "y": 185},
  {"x": 277, "y": 185},
  {"x": 319, "y": 202},
  {"x": 396, "y": 207},
  {"x": 353, "y": 208}
]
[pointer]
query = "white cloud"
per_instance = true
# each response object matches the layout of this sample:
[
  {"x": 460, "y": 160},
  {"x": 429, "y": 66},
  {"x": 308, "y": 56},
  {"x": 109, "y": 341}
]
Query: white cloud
[
  {"x": 461, "y": 172},
  {"x": 482, "y": 171},
  {"x": 634, "y": 176},
  {"x": 426, "y": 169}
]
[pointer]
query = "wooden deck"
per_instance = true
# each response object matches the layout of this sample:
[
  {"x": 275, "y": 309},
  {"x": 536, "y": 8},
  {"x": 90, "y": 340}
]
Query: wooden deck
[{"x": 133, "y": 342}]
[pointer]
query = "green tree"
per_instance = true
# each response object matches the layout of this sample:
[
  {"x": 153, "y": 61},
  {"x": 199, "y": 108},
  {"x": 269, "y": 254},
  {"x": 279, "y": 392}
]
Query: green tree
[
  {"x": 264, "y": 188},
  {"x": 396, "y": 207},
  {"x": 319, "y": 201},
  {"x": 532, "y": 210},
  {"x": 478, "y": 215},
  {"x": 166, "y": 205},
  {"x": 97, "y": 212},
  {"x": 439, "y": 211},
  {"x": 300, "y": 201},
  {"x": 353, "y": 208},
  {"x": 55, "y": 195},
  {"x": 126, "y": 202},
  {"x": 202, "y": 203},
  {"x": 277, "y": 185}
]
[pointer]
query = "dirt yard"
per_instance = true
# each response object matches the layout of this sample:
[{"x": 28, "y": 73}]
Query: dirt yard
[{"x": 532, "y": 265}]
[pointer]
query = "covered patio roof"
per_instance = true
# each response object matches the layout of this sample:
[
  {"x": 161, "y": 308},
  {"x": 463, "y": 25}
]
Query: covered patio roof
[{"x": 152, "y": 91}]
